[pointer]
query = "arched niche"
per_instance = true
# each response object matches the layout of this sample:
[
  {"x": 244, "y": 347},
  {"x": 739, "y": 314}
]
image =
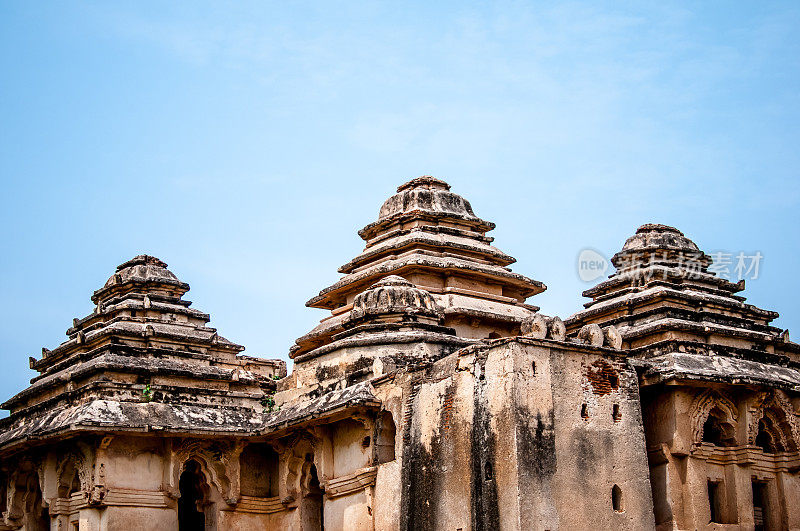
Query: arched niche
[
  {"x": 70, "y": 477},
  {"x": 312, "y": 502},
  {"x": 219, "y": 462},
  {"x": 25, "y": 506},
  {"x": 302, "y": 479},
  {"x": 298, "y": 456},
  {"x": 718, "y": 430},
  {"x": 774, "y": 433},
  {"x": 773, "y": 424},
  {"x": 385, "y": 438},
  {"x": 616, "y": 499},
  {"x": 258, "y": 464},
  {"x": 714, "y": 419}
]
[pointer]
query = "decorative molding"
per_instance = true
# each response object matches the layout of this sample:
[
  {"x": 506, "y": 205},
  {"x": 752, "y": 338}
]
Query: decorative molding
[
  {"x": 260, "y": 505},
  {"x": 780, "y": 398},
  {"x": 118, "y": 497},
  {"x": 748, "y": 455},
  {"x": 355, "y": 481},
  {"x": 219, "y": 462},
  {"x": 701, "y": 408},
  {"x": 775, "y": 405},
  {"x": 137, "y": 498}
]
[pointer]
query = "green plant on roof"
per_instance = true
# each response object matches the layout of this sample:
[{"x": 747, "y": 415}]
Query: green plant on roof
[
  {"x": 147, "y": 393},
  {"x": 268, "y": 402}
]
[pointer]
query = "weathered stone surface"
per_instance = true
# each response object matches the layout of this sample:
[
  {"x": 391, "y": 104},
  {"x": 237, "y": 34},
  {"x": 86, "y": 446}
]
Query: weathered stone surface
[
  {"x": 535, "y": 326},
  {"x": 723, "y": 369},
  {"x": 556, "y": 328},
  {"x": 591, "y": 334},
  {"x": 395, "y": 295},
  {"x": 705, "y": 356},
  {"x": 431, "y": 237},
  {"x": 432, "y": 397},
  {"x": 663, "y": 283},
  {"x": 611, "y": 336}
]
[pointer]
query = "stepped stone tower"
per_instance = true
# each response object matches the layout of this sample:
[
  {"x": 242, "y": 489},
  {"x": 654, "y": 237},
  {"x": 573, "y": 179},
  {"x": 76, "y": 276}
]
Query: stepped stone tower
[
  {"x": 432, "y": 397},
  {"x": 431, "y": 237},
  {"x": 142, "y": 340},
  {"x": 663, "y": 290},
  {"x": 142, "y": 363},
  {"x": 719, "y": 385}
]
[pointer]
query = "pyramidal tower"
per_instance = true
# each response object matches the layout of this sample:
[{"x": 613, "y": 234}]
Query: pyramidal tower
[
  {"x": 137, "y": 361},
  {"x": 432, "y": 396},
  {"x": 431, "y": 237},
  {"x": 664, "y": 294}
]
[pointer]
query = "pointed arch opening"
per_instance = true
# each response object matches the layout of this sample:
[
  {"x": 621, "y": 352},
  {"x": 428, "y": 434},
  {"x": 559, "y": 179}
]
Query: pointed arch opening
[
  {"x": 385, "y": 440},
  {"x": 717, "y": 429},
  {"x": 766, "y": 439},
  {"x": 197, "y": 503},
  {"x": 69, "y": 482},
  {"x": 312, "y": 506},
  {"x": 616, "y": 499},
  {"x": 775, "y": 433}
]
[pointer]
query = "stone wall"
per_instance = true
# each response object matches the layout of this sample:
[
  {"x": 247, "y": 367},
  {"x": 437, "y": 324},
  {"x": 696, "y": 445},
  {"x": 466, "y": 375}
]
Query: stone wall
[
  {"x": 714, "y": 451},
  {"x": 525, "y": 435}
]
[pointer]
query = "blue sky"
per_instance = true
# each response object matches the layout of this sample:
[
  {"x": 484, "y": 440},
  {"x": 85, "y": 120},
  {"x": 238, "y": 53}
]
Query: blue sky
[{"x": 246, "y": 144}]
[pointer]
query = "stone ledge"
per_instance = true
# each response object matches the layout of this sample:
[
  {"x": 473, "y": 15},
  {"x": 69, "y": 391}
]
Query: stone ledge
[
  {"x": 350, "y": 483},
  {"x": 747, "y": 455},
  {"x": 136, "y": 498},
  {"x": 259, "y": 505}
]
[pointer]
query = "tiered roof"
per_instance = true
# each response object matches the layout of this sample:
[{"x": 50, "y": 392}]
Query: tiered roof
[
  {"x": 393, "y": 311},
  {"x": 664, "y": 300},
  {"x": 142, "y": 349},
  {"x": 431, "y": 237}
]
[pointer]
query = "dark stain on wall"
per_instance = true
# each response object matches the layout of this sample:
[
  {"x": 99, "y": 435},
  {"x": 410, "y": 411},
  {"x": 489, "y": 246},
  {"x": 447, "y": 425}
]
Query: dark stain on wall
[
  {"x": 447, "y": 408},
  {"x": 584, "y": 452},
  {"x": 326, "y": 373},
  {"x": 536, "y": 448},
  {"x": 485, "y": 508},
  {"x": 421, "y": 475}
]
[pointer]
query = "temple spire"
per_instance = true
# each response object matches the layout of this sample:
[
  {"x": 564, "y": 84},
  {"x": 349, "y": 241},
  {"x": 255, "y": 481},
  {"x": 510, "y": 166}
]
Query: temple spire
[
  {"x": 430, "y": 236},
  {"x": 664, "y": 289}
]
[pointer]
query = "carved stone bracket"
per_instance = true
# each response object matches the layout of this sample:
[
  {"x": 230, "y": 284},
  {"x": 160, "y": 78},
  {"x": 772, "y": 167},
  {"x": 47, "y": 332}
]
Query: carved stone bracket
[
  {"x": 20, "y": 492},
  {"x": 295, "y": 465}
]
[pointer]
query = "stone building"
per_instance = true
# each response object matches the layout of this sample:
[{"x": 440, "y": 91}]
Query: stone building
[{"x": 431, "y": 396}]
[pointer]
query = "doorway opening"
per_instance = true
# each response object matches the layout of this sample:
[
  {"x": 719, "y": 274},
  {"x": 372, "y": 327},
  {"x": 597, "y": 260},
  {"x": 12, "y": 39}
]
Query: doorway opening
[
  {"x": 191, "y": 516},
  {"x": 312, "y": 514},
  {"x": 760, "y": 505}
]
